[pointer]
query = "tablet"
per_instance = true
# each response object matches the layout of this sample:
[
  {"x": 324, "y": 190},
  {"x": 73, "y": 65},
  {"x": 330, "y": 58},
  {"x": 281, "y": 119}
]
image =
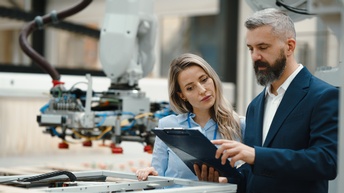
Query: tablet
[{"x": 191, "y": 146}]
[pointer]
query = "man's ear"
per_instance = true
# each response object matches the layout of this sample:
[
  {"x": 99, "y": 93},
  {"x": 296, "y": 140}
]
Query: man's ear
[{"x": 291, "y": 43}]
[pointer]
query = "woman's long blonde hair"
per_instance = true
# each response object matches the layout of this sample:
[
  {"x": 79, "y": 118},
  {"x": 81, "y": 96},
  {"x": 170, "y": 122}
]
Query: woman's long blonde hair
[{"x": 222, "y": 112}]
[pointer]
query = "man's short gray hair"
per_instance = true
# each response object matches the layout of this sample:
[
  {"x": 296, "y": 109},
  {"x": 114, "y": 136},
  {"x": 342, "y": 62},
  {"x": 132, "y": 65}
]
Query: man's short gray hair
[{"x": 282, "y": 25}]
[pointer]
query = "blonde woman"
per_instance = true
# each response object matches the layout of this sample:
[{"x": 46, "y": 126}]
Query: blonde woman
[{"x": 196, "y": 96}]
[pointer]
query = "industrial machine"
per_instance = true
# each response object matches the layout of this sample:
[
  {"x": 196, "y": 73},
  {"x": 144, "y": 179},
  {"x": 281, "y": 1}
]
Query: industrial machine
[
  {"x": 105, "y": 181},
  {"x": 123, "y": 112}
]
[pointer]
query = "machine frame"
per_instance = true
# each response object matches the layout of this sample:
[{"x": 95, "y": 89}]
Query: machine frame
[{"x": 121, "y": 182}]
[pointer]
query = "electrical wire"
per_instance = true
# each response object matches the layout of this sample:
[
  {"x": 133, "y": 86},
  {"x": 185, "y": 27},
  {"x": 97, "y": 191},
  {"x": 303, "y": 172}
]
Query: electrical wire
[
  {"x": 78, "y": 134},
  {"x": 21, "y": 15},
  {"x": 37, "y": 24},
  {"x": 44, "y": 108},
  {"x": 81, "y": 82},
  {"x": 143, "y": 115},
  {"x": 54, "y": 132},
  {"x": 128, "y": 127}
]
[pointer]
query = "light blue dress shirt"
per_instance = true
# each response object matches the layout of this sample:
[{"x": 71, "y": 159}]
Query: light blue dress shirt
[{"x": 165, "y": 161}]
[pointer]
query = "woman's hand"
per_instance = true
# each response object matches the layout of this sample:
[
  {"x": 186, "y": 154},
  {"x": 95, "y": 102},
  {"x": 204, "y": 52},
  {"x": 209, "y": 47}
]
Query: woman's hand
[
  {"x": 208, "y": 174},
  {"x": 142, "y": 174}
]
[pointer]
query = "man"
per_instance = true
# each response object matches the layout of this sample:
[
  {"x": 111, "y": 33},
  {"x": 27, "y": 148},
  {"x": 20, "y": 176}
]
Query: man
[{"x": 290, "y": 142}]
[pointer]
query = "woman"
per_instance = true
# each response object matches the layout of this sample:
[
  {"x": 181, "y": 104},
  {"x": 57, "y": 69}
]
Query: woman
[{"x": 196, "y": 96}]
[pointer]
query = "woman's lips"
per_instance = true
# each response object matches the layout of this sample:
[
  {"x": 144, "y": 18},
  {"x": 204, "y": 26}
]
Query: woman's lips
[{"x": 206, "y": 98}]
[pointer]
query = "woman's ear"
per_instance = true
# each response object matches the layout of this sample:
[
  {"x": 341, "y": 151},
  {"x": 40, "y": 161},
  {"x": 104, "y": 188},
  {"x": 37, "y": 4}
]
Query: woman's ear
[{"x": 181, "y": 96}]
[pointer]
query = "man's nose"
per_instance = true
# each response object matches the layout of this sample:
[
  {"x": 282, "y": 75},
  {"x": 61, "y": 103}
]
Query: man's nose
[{"x": 255, "y": 55}]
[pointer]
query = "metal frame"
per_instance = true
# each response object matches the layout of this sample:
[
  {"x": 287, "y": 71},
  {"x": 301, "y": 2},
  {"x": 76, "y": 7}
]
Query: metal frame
[{"x": 126, "y": 182}]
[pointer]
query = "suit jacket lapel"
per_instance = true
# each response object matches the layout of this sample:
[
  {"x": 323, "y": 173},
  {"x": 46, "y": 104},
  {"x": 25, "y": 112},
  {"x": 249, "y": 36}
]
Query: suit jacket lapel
[
  {"x": 260, "y": 118},
  {"x": 293, "y": 95}
]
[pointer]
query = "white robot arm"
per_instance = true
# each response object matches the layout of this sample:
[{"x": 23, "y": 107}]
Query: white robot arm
[
  {"x": 298, "y": 5},
  {"x": 123, "y": 112},
  {"x": 327, "y": 10},
  {"x": 127, "y": 40}
]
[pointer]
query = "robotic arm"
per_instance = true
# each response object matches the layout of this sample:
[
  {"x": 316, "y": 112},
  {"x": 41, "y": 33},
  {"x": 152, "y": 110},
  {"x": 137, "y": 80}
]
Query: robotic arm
[
  {"x": 297, "y": 9},
  {"x": 127, "y": 41},
  {"x": 330, "y": 11},
  {"x": 123, "y": 112}
]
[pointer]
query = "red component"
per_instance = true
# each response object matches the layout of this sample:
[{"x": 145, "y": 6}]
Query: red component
[
  {"x": 63, "y": 145},
  {"x": 112, "y": 145},
  {"x": 148, "y": 149},
  {"x": 117, "y": 150},
  {"x": 57, "y": 82},
  {"x": 87, "y": 143}
]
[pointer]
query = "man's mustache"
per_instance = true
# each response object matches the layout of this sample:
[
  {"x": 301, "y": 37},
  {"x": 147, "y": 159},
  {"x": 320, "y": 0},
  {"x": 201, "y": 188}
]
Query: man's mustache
[{"x": 258, "y": 64}]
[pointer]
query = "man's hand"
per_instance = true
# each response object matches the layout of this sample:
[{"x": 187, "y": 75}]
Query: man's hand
[{"x": 234, "y": 150}]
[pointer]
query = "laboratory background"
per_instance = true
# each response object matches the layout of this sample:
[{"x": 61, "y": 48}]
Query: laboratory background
[{"x": 72, "y": 74}]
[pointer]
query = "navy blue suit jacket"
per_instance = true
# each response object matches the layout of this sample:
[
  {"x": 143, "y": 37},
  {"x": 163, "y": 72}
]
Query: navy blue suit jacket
[{"x": 300, "y": 150}]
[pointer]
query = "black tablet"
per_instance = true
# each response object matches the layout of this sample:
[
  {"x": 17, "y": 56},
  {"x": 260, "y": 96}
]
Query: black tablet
[{"x": 192, "y": 147}]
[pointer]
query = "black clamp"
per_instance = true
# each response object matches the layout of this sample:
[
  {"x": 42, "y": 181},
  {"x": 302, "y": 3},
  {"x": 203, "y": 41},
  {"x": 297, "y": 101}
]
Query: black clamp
[{"x": 39, "y": 20}]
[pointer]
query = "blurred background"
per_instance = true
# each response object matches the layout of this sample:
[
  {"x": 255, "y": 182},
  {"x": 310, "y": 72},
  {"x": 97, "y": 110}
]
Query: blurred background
[{"x": 211, "y": 28}]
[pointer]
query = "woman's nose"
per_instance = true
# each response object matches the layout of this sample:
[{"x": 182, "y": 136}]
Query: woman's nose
[{"x": 201, "y": 89}]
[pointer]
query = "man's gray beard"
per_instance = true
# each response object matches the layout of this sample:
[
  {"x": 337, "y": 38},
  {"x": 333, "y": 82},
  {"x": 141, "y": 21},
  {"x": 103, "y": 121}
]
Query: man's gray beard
[
  {"x": 265, "y": 79},
  {"x": 272, "y": 72}
]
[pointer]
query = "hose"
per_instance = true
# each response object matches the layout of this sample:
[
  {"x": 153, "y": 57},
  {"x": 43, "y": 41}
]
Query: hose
[{"x": 38, "y": 23}]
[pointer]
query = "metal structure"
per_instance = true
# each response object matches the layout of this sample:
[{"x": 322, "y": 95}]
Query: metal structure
[
  {"x": 123, "y": 112},
  {"x": 107, "y": 181}
]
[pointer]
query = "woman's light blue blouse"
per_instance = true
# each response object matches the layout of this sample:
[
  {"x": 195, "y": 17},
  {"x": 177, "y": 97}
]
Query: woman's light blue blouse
[{"x": 168, "y": 163}]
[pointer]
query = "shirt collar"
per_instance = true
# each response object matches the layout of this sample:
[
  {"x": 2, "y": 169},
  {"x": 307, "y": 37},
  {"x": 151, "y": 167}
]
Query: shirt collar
[
  {"x": 285, "y": 84},
  {"x": 183, "y": 119}
]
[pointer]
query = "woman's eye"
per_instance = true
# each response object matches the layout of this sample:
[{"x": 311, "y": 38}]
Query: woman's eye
[{"x": 204, "y": 79}]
